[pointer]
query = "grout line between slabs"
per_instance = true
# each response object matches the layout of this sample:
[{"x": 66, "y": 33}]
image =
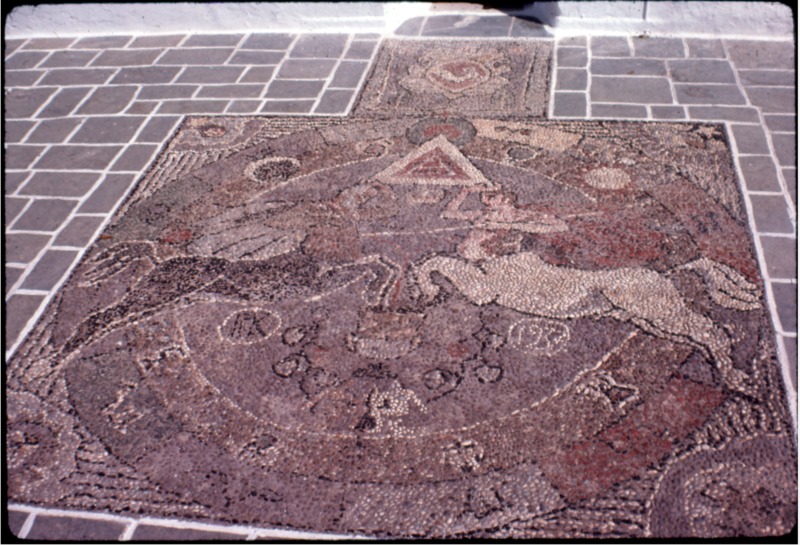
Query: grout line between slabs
[{"x": 363, "y": 79}]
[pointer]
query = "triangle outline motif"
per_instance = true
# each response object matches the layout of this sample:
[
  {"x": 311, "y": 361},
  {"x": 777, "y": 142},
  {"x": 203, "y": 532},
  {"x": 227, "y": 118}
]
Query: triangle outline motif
[{"x": 436, "y": 162}]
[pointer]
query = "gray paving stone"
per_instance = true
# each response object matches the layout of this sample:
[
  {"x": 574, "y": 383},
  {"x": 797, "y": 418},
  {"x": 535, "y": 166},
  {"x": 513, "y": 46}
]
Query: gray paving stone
[
  {"x": 571, "y": 57},
  {"x": 13, "y": 207},
  {"x": 784, "y": 78},
  {"x": 577, "y": 41},
  {"x": 785, "y": 149},
  {"x": 204, "y": 56},
  {"x": 697, "y": 93},
  {"x": 127, "y": 57},
  {"x": 268, "y": 41},
  {"x": 64, "y": 102},
  {"x": 360, "y": 50},
  {"x": 69, "y": 58},
  {"x": 523, "y": 28},
  {"x": 759, "y": 173},
  {"x": 102, "y": 42},
  {"x": 13, "y": 180},
  {"x": 411, "y": 27},
  {"x": 24, "y": 59},
  {"x": 48, "y": 43},
  {"x": 230, "y": 91},
  {"x": 790, "y": 177},
  {"x": 108, "y": 100},
  {"x": 294, "y": 88},
  {"x": 19, "y": 309},
  {"x": 463, "y": 25},
  {"x": 22, "y": 103},
  {"x": 306, "y": 69},
  {"x": 107, "y": 130},
  {"x": 77, "y": 76},
  {"x": 12, "y": 274},
  {"x": 107, "y": 195},
  {"x": 135, "y": 158},
  {"x": 193, "y": 107},
  {"x": 610, "y": 46},
  {"x": 146, "y": 74},
  {"x": 148, "y": 532},
  {"x": 261, "y": 74},
  {"x": 661, "y": 48},
  {"x": 700, "y": 48},
  {"x": 569, "y": 104},
  {"x": 771, "y": 214},
  {"x": 618, "y": 110},
  {"x": 14, "y": 131},
  {"x": 53, "y": 131},
  {"x": 334, "y": 101},
  {"x": 370, "y": 36},
  {"x": 20, "y": 156},
  {"x": 780, "y": 254},
  {"x": 288, "y": 106},
  {"x": 761, "y": 54},
  {"x": 572, "y": 79},
  {"x": 772, "y": 99},
  {"x": 701, "y": 71},
  {"x": 60, "y": 184},
  {"x": 24, "y": 247},
  {"x": 12, "y": 45},
  {"x": 21, "y": 78},
  {"x": 156, "y": 92},
  {"x": 79, "y": 232},
  {"x": 44, "y": 215},
  {"x": 213, "y": 40},
  {"x": 780, "y": 123},
  {"x": 790, "y": 345},
  {"x": 251, "y": 57},
  {"x": 243, "y": 106},
  {"x": 210, "y": 74},
  {"x": 786, "y": 300},
  {"x": 628, "y": 67},
  {"x": 348, "y": 74},
  {"x": 630, "y": 89},
  {"x": 77, "y": 157},
  {"x": 47, "y": 527},
  {"x": 157, "y": 129},
  {"x": 750, "y": 139},
  {"x": 724, "y": 113},
  {"x": 141, "y": 108},
  {"x": 319, "y": 46},
  {"x": 157, "y": 41}
]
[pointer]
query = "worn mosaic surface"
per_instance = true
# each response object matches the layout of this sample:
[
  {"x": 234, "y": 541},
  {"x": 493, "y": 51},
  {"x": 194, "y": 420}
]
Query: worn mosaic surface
[
  {"x": 491, "y": 78},
  {"x": 439, "y": 326}
]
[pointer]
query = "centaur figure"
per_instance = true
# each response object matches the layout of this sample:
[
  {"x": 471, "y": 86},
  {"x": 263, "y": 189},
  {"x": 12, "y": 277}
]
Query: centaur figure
[{"x": 526, "y": 283}]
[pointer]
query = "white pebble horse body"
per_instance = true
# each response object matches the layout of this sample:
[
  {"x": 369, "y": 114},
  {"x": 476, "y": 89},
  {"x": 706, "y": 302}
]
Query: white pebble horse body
[{"x": 526, "y": 283}]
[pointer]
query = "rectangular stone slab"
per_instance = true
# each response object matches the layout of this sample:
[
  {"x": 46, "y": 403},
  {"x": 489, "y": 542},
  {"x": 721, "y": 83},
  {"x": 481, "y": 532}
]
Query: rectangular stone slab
[{"x": 485, "y": 78}]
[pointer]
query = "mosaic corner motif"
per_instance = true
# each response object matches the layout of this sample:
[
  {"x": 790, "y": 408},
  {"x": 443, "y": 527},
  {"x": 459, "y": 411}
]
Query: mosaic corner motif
[
  {"x": 487, "y": 78},
  {"x": 440, "y": 327}
]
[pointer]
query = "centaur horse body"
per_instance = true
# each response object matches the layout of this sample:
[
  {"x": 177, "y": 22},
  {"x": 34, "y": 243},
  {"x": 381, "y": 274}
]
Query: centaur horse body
[{"x": 526, "y": 283}]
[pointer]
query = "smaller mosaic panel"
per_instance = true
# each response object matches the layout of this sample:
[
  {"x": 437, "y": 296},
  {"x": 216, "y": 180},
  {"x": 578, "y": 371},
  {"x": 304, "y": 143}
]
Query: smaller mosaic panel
[{"x": 490, "y": 78}]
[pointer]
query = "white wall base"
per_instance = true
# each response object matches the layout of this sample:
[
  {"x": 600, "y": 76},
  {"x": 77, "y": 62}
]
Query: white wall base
[{"x": 701, "y": 18}]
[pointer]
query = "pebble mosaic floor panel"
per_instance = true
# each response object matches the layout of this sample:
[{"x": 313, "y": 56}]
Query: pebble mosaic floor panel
[
  {"x": 486, "y": 78},
  {"x": 420, "y": 326}
]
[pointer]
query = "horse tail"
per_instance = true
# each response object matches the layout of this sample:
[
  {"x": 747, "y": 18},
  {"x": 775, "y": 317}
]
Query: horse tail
[{"x": 726, "y": 286}]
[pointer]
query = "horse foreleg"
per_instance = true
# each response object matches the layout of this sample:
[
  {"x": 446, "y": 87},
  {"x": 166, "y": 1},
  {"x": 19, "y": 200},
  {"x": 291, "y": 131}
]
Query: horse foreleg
[{"x": 471, "y": 281}]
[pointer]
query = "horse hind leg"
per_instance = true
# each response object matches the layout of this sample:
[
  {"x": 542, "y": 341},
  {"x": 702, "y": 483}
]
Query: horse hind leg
[{"x": 701, "y": 333}]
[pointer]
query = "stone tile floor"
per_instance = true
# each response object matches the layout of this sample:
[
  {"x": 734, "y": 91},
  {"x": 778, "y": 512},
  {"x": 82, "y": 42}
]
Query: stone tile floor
[{"x": 85, "y": 117}]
